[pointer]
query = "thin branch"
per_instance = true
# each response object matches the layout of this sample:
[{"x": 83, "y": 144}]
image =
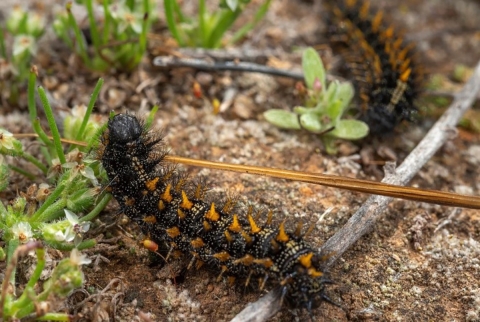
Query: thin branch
[
  {"x": 203, "y": 64},
  {"x": 364, "y": 219},
  {"x": 244, "y": 53}
]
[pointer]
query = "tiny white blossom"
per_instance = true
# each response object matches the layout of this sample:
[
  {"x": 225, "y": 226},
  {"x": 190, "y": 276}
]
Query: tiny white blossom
[
  {"x": 74, "y": 230},
  {"x": 36, "y": 24},
  {"x": 78, "y": 258},
  {"x": 68, "y": 235},
  {"x": 6, "y": 139},
  {"x": 126, "y": 18},
  {"x": 84, "y": 170},
  {"x": 23, "y": 43},
  {"x": 22, "y": 231}
]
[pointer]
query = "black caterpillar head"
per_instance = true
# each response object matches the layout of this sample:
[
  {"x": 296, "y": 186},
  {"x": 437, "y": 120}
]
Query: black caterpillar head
[{"x": 124, "y": 128}]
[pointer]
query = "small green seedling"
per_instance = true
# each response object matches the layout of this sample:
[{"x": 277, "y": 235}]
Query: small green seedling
[
  {"x": 324, "y": 108},
  {"x": 208, "y": 30},
  {"x": 118, "y": 39},
  {"x": 18, "y": 44}
]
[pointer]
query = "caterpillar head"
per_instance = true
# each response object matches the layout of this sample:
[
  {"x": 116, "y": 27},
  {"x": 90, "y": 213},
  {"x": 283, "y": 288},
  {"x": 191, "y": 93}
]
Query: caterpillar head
[{"x": 124, "y": 128}]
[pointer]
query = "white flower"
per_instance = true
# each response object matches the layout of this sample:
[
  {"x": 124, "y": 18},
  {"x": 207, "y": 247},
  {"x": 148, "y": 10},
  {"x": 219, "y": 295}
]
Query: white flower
[
  {"x": 6, "y": 139},
  {"x": 126, "y": 18},
  {"x": 84, "y": 170},
  {"x": 68, "y": 235},
  {"x": 23, "y": 43},
  {"x": 22, "y": 231},
  {"x": 36, "y": 24},
  {"x": 77, "y": 258},
  {"x": 74, "y": 230}
]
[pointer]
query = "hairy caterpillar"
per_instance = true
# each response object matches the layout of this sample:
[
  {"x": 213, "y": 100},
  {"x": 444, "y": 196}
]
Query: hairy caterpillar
[
  {"x": 387, "y": 80},
  {"x": 171, "y": 209}
]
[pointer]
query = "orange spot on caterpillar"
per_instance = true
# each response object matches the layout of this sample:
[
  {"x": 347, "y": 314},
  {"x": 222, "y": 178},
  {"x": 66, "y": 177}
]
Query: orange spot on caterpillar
[
  {"x": 197, "y": 243},
  {"x": 364, "y": 10},
  {"x": 314, "y": 273},
  {"x": 129, "y": 202},
  {"x": 186, "y": 204},
  {"x": 222, "y": 256},
  {"x": 206, "y": 225},
  {"x": 212, "y": 214},
  {"x": 228, "y": 236},
  {"x": 235, "y": 225},
  {"x": 282, "y": 235},
  {"x": 253, "y": 225},
  {"x": 150, "y": 219},
  {"x": 166, "y": 195},
  {"x": 161, "y": 205},
  {"x": 246, "y": 260},
  {"x": 181, "y": 214},
  {"x": 306, "y": 260},
  {"x": 377, "y": 20},
  {"x": 265, "y": 262},
  {"x": 405, "y": 75},
  {"x": 173, "y": 232},
  {"x": 152, "y": 184}
]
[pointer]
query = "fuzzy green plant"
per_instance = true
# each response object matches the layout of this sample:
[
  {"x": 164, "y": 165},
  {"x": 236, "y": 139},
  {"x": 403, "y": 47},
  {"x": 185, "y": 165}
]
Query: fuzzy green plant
[
  {"x": 18, "y": 45},
  {"x": 60, "y": 210},
  {"x": 325, "y": 106},
  {"x": 207, "y": 30},
  {"x": 118, "y": 38},
  {"x": 34, "y": 303},
  {"x": 47, "y": 213}
]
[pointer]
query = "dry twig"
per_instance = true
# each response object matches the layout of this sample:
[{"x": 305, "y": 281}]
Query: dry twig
[
  {"x": 243, "y": 53},
  {"x": 210, "y": 65}
]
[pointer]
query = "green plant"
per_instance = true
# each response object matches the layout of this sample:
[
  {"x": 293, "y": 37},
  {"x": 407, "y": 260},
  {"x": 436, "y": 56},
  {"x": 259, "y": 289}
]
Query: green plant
[
  {"x": 18, "y": 44},
  {"x": 32, "y": 303},
  {"x": 46, "y": 214},
  {"x": 208, "y": 29},
  {"x": 324, "y": 107},
  {"x": 119, "y": 39}
]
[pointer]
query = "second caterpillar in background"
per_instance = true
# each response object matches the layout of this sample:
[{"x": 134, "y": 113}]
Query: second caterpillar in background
[{"x": 387, "y": 80}]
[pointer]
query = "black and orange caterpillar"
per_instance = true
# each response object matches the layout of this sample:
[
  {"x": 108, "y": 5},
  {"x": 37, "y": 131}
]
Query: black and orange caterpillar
[
  {"x": 170, "y": 209},
  {"x": 382, "y": 63}
]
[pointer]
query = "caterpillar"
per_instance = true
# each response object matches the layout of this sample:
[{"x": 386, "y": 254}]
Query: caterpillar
[
  {"x": 382, "y": 64},
  {"x": 171, "y": 209}
]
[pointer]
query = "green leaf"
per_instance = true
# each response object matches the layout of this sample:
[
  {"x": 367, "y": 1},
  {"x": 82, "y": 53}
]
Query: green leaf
[
  {"x": 169, "y": 6},
  {"x": 313, "y": 68},
  {"x": 311, "y": 122},
  {"x": 283, "y": 119},
  {"x": 350, "y": 130},
  {"x": 331, "y": 91},
  {"x": 302, "y": 110},
  {"x": 334, "y": 110},
  {"x": 345, "y": 94}
]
